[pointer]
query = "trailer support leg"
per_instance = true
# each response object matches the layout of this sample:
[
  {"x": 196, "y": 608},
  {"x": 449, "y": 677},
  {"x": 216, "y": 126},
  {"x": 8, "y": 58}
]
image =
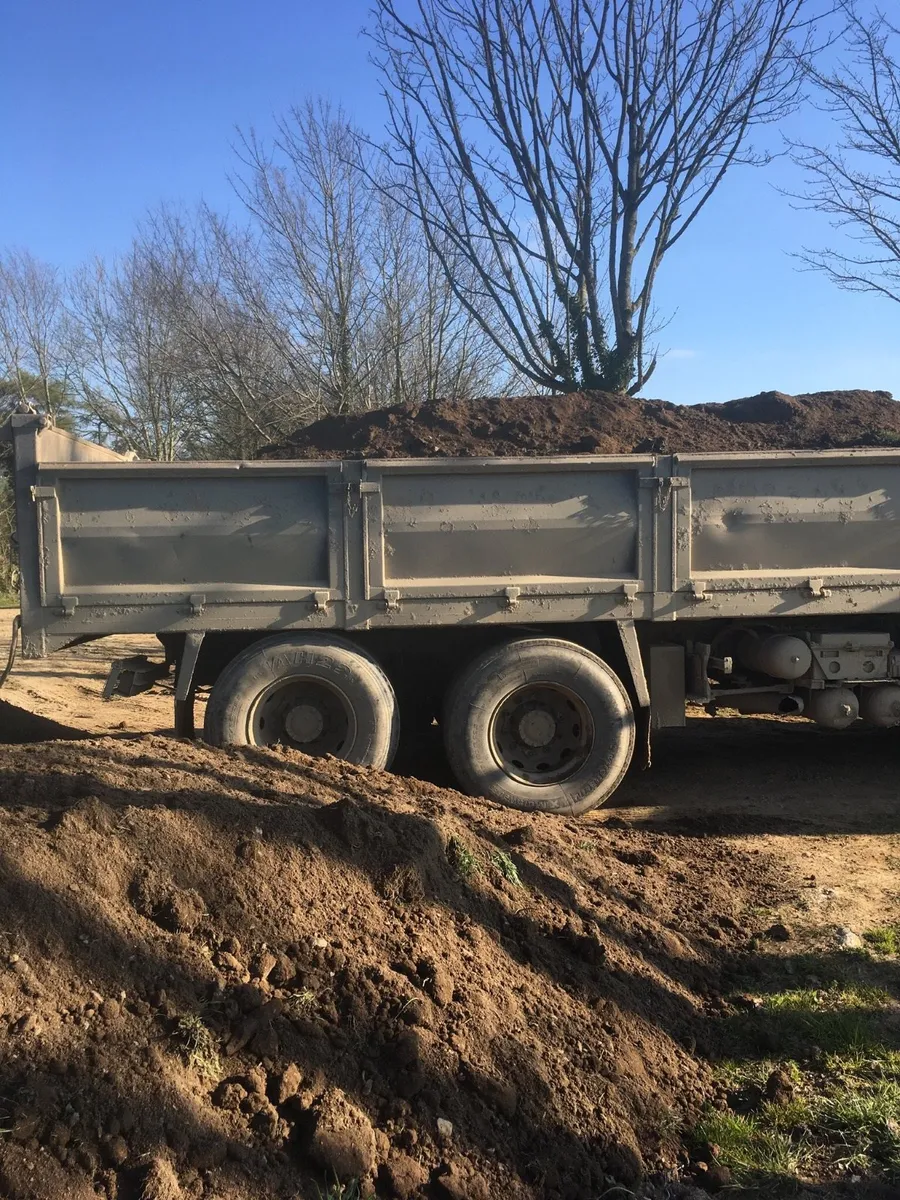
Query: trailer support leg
[{"x": 185, "y": 687}]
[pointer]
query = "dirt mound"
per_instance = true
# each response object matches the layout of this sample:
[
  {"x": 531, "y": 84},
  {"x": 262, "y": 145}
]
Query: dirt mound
[
  {"x": 239, "y": 974},
  {"x": 601, "y": 423}
]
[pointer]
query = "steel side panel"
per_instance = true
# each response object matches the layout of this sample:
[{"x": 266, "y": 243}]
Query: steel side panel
[
  {"x": 113, "y": 546},
  {"x": 454, "y": 533},
  {"x": 823, "y": 519},
  {"x": 129, "y": 538}
]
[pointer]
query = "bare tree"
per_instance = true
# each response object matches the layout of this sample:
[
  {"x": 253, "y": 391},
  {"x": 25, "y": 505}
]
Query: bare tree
[
  {"x": 34, "y": 338},
  {"x": 561, "y": 148},
  {"x": 856, "y": 182},
  {"x": 210, "y": 278},
  {"x": 356, "y": 300},
  {"x": 130, "y": 374}
]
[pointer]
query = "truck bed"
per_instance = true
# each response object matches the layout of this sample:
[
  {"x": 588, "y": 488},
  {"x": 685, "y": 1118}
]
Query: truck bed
[{"x": 112, "y": 546}]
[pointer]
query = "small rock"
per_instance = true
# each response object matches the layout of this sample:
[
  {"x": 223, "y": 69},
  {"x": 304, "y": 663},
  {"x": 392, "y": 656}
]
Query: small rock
[
  {"x": 778, "y": 932},
  {"x": 262, "y": 965},
  {"x": 445, "y": 1129},
  {"x": 520, "y": 836},
  {"x": 161, "y": 1182},
  {"x": 283, "y": 971},
  {"x": 461, "y": 1183},
  {"x": 227, "y": 962},
  {"x": 115, "y": 1151},
  {"x": 403, "y": 1176},
  {"x": 254, "y": 1081},
  {"x": 320, "y": 943},
  {"x": 779, "y": 1087},
  {"x": 110, "y": 1010},
  {"x": 417, "y": 1012},
  {"x": 286, "y": 1084},
  {"x": 847, "y": 939},
  {"x": 229, "y": 1095},
  {"x": 27, "y": 1024},
  {"x": 342, "y": 1140},
  {"x": 717, "y": 1177},
  {"x": 265, "y": 1120}
]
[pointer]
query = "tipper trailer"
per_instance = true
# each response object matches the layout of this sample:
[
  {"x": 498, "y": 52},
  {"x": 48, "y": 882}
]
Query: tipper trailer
[{"x": 549, "y": 613}]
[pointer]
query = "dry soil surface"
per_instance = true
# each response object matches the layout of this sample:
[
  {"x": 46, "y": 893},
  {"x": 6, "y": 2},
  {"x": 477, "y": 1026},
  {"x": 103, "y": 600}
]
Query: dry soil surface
[
  {"x": 231, "y": 975},
  {"x": 600, "y": 423}
]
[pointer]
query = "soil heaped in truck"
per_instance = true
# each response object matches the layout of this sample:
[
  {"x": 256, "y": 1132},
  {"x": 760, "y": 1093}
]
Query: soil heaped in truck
[{"x": 600, "y": 423}]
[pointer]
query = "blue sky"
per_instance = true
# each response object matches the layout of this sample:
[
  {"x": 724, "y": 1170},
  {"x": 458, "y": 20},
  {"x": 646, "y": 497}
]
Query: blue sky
[{"x": 110, "y": 106}]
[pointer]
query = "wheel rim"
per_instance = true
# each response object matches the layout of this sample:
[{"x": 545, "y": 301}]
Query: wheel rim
[
  {"x": 305, "y": 714},
  {"x": 541, "y": 734}
]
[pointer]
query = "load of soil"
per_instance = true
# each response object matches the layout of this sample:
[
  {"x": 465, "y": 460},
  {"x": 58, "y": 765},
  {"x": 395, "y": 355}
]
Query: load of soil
[
  {"x": 601, "y": 423},
  {"x": 244, "y": 975}
]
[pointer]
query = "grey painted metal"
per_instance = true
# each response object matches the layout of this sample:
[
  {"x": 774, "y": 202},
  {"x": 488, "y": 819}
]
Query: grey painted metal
[{"x": 111, "y": 546}]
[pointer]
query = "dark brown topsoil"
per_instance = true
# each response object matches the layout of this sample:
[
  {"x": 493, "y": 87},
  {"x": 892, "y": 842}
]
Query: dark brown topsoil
[
  {"x": 233, "y": 975},
  {"x": 601, "y": 423}
]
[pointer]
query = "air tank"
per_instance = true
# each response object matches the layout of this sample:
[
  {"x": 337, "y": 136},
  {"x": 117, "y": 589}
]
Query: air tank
[
  {"x": 833, "y": 708},
  {"x": 881, "y": 705},
  {"x": 779, "y": 655}
]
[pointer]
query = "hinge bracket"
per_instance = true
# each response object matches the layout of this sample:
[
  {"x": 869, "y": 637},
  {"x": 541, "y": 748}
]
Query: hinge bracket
[
  {"x": 320, "y": 601},
  {"x": 68, "y": 604},
  {"x": 511, "y": 595},
  {"x": 197, "y": 601},
  {"x": 817, "y": 588},
  {"x": 391, "y": 598}
]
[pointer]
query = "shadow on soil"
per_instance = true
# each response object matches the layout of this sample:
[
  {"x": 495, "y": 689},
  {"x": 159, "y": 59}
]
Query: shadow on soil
[
  {"x": 358, "y": 1040},
  {"x": 745, "y": 776},
  {"x": 130, "y": 1096}
]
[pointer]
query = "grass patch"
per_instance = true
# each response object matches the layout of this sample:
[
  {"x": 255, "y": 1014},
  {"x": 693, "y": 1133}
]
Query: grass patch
[
  {"x": 884, "y": 940},
  {"x": 507, "y": 868},
  {"x": 462, "y": 859},
  {"x": 199, "y": 1045},
  {"x": 340, "y": 1191},
  {"x": 835, "y": 1044},
  {"x": 751, "y": 1148},
  {"x": 803, "y": 1022},
  {"x": 299, "y": 1004},
  {"x": 864, "y": 1122}
]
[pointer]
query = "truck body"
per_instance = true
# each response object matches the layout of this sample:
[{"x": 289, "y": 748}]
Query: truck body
[{"x": 663, "y": 566}]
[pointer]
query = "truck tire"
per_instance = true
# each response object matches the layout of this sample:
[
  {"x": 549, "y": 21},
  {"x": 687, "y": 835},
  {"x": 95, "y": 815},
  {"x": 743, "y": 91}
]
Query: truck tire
[
  {"x": 318, "y": 694},
  {"x": 539, "y": 724}
]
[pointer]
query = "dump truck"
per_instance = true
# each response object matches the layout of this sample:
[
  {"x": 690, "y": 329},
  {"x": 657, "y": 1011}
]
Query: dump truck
[{"x": 549, "y": 613}]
